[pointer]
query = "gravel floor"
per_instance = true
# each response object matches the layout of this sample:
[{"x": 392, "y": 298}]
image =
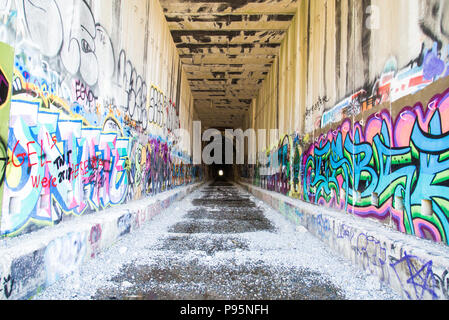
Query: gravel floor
[{"x": 219, "y": 243}]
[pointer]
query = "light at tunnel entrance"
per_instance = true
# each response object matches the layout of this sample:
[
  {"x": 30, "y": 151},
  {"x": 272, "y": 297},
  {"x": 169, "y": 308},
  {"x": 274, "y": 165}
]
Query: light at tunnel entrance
[{"x": 221, "y": 173}]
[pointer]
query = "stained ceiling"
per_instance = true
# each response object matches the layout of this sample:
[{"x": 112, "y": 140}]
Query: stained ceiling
[{"x": 227, "y": 48}]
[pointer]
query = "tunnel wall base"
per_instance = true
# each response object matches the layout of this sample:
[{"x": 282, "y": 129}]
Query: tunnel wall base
[
  {"x": 32, "y": 262},
  {"x": 415, "y": 268}
]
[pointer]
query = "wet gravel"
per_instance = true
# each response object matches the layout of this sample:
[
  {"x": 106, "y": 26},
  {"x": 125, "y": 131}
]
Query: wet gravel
[{"x": 219, "y": 243}]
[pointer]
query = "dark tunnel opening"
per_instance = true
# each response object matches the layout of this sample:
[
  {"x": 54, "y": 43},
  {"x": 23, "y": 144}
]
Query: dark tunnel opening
[{"x": 222, "y": 170}]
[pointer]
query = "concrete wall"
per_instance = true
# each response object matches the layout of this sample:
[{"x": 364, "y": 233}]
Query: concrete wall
[
  {"x": 416, "y": 270},
  {"x": 335, "y": 49},
  {"x": 361, "y": 110},
  {"x": 93, "y": 92},
  {"x": 31, "y": 263}
]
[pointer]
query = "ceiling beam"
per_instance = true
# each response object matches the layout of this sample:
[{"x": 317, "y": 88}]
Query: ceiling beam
[{"x": 229, "y": 6}]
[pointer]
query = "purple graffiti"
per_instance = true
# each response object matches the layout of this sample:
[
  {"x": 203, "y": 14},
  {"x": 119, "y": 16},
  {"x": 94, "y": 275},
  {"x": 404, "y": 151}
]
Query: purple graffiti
[
  {"x": 421, "y": 279},
  {"x": 433, "y": 65}
]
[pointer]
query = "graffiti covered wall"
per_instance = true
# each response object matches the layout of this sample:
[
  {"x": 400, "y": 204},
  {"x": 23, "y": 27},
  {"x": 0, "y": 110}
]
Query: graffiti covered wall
[
  {"x": 93, "y": 117},
  {"x": 393, "y": 168},
  {"x": 365, "y": 124},
  {"x": 390, "y": 164},
  {"x": 340, "y": 58},
  {"x": 6, "y": 62}
]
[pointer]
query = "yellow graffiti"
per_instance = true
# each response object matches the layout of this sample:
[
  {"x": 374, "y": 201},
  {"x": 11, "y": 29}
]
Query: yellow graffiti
[{"x": 46, "y": 99}]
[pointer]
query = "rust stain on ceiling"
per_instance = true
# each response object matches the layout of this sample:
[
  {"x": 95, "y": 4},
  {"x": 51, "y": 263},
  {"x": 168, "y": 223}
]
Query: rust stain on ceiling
[{"x": 227, "y": 49}]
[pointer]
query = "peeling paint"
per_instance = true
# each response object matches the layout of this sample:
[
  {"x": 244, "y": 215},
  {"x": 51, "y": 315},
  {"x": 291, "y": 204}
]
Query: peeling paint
[{"x": 227, "y": 48}]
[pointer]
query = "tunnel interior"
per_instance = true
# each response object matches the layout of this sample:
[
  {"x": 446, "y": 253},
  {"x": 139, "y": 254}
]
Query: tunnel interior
[
  {"x": 90, "y": 118},
  {"x": 226, "y": 170},
  {"x": 221, "y": 170},
  {"x": 228, "y": 50}
]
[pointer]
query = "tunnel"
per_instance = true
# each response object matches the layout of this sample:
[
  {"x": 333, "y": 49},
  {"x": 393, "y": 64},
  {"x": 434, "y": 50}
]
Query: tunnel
[
  {"x": 225, "y": 137},
  {"x": 224, "y": 168}
]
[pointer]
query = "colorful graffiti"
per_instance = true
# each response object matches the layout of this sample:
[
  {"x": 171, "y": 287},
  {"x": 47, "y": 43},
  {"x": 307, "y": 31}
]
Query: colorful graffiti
[
  {"x": 281, "y": 173},
  {"x": 393, "y": 84},
  {"x": 417, "y": 276},
  {"x": 86, "y": 132},
  {"x": 6, "y": 72},
  {"x": 390, "y": 168},
  {"x": 401, "y": 162},
  {"x": 394, "y": 169},
  {"x": 59, "y": 167}
]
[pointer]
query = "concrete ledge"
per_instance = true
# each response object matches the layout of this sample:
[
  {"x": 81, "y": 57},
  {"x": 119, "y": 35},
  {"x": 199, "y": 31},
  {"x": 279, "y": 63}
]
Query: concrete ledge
[
  {"x": 415, "y": 268},
  {"x": 32, "y": 262}
]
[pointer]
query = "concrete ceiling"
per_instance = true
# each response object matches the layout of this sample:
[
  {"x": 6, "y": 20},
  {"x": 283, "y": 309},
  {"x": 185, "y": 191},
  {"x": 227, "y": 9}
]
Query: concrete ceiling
[{"x": 227, "y": 48}]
